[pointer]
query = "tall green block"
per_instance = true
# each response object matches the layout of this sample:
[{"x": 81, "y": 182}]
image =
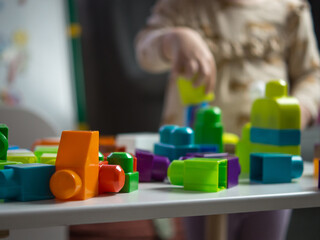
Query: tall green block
[
  {"x": 208, "y": 127},
  {"x": 125, "y": 160},
  {"x": 131, "y": 182},
  {"x": 3, "y": 141}
]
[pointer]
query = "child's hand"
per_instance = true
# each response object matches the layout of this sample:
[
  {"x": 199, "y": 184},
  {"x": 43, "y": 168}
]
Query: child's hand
[{"x": 190, "y": 57}]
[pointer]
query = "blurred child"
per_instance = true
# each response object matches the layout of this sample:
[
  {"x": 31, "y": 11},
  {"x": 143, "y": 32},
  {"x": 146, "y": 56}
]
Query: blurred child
[{"x": 231, "y": 47}]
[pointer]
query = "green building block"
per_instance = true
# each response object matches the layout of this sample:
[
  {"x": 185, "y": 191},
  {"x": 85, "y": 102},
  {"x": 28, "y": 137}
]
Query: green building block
[
  {"x": 101, "y": 157},
  {"x": 276, "y": 110},
  {"x": 244, "y": 148},
  {"x": 208, "y": 127},
  {"x": 3, "y": 141},
  {"x": 4, "y": 163},
  {"x": 191, "y": 95},
  {"x": 41, "y": 149},
  {"x": 199, "y": 174},
  {"x": 48, "y": 158},
  {"x": 21, "y": 155},
  {"x": 131, "y": 183},
  {"x": 125, "y": 160}
]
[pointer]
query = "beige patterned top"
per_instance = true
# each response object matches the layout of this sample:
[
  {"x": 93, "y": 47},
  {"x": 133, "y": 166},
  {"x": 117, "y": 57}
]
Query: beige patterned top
[{"x": 251, "y": 43}]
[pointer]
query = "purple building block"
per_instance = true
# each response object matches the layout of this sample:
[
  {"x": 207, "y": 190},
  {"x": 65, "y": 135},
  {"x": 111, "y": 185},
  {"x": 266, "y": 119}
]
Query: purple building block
[
  {"x": 144, "y": 165},
  {"x": 234, "y": 170},
  {"x": 160, "y": 168},
  {"x": 151, "y": 167}
]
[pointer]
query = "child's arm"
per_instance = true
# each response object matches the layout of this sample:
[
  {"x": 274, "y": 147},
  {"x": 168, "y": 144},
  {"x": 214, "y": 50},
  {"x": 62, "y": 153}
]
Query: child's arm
[
  {"x": 304, "y": 63},
  {"x": 168, "y": 43}
]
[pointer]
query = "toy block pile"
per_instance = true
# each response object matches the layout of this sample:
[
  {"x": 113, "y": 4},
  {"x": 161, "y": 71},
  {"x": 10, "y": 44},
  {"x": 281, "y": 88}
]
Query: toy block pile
[
  {"x": 75, "y": 172},
  {"x": 274, "y": 128}
]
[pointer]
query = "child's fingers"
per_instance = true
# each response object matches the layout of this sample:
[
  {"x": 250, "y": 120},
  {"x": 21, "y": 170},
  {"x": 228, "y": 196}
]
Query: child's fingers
[
  {"x": 212, "y": 80},
  {"x": 203, "y": 74},
  {"x": 191, "y": 69}
]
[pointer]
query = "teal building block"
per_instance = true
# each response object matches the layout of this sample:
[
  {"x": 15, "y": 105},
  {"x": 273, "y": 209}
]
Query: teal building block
[
  {"x": 208, "y": 127},
  {"x": 175, "y": 142},
  {"x": 26, "y": 182},
  {"x": 201, "y": 174},
  {"x": 275, "y": 168},
  {"x": 277, "y": 110},
  {"x": 3, "y": 141},
  {"x": 279, "y": 137},
  {"x": 125, "y": 160},
  {"x": 131, "y": 182}
]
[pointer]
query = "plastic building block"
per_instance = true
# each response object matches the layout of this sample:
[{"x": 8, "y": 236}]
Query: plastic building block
[
  {"x": 48, "y": 158},
  {"x": 190, "y": 95},
  {"x": 77, "y": 166},
  {"x": 245, "y": 147},
  {"x": 190, "y": 113},
  {"x": 54, "y": 141},
  {"x": 41, "y": 149},
  {"x": 283, "y": 137},
  {"x": 316, "y": 159},
  {"x": 145, "y": 165},
  {"x": 208, "y": 127},
  {"x": 3, "y": 141},
  {"x": 208, "y": 175},
  {"x": 101, "y": 157},
  {"x": 111, "y": 178},
  {"x": 21, "y": 155},
  {"x": 275, "y": 168},
  {"x": 5, "y": 163},
  {"x": 13, "y": 147},
  {"x": 131, "y": 183},
  {"x": 26, "y": 182},
  {"x": 276, "y": 110},
  {"x": 175, "y": 142},
  {"x": 151, "y": 167},
  {"x": 125, "y": 160}
]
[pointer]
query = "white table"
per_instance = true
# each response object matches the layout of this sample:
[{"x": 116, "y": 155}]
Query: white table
[{"x": 159, "y": 200}]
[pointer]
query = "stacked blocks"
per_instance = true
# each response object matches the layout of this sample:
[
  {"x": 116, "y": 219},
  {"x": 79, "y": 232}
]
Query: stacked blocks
[
  {"x": 126, "y": 161},
  {"x": 77, "y": 166},
  {"x": 26, "y": 182},
  {"x": 48, "y": 158},
  {"x": 316, "y": 159},
  {"x": 151, "y": 167},
  {"x": 274, "y": 127},
  {"x": 42, "y": 149},
  {"x": 275, "y": 168},
  {"x": 175, "y": 142},
  {"x": 111, "y": 178},
  {"x": 208, "y": 127},
  {"x": 202, "y": 174}
]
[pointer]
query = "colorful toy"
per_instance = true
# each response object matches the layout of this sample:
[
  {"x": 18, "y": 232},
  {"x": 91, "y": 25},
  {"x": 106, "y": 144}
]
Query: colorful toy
[
  {"x": 21, "y": 155},
  {"x": 77, "y": 166},
  {"x": 111, "y": 178},
  {"x": 151, "y": 167},
  {"x": 208, "y": 127},
  {"x": 316, "y": 159},
  {"x": 26, "y": 182},
  {"x": 126, "y": 161},
  {"x": 54, "y": 141},
  {"x": 275, "y": 168},
  {"x": 3, "y": 141},
  {"x": 48, "y": 158},
  {"x": 41, "y": 149},
  {"x": 175, "y": 142},
  {"x": 274, "y": 128},
  {"x": 202, "y": 174}
]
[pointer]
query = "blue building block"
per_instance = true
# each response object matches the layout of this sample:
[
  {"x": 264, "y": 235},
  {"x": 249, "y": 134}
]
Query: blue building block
[
  {"x": 175, "y": 142},
  {"x": 279, "y": 137},
  {"x": 26, "y": 182},
  {"x": 275, "y": 167}
]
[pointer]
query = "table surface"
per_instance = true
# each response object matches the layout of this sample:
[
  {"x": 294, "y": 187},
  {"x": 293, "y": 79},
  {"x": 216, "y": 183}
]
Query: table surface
[{"x": 158, "y": 200}]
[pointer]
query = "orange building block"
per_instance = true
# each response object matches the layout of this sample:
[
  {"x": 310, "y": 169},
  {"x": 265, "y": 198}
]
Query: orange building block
[
  {"x": 77, "y": 166},
  {"x": 316, "y": 167},
  {"x": 111, "y": 178},
  {"x": 46, "y": 142}
]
